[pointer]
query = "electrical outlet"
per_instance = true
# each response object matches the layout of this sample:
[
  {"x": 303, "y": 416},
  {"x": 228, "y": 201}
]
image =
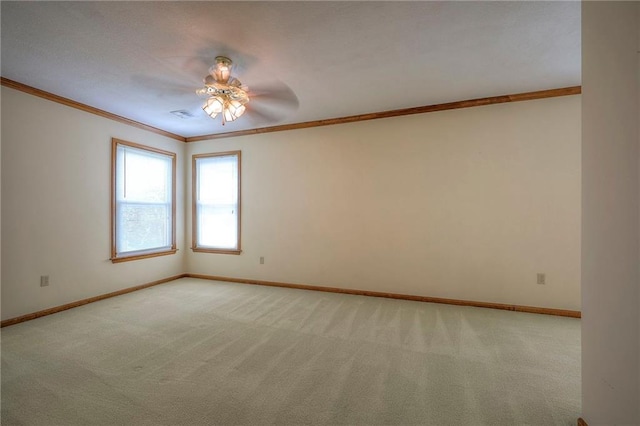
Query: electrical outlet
[
  {"x": 542, "y": 278},
  {"x": 44, "y": 280},
  {"x": 262, "y": 260}
]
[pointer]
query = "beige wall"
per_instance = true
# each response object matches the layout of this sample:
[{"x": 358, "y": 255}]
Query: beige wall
[
  {"x": 466, "y": 204},
  {"x": 55, "y": 206},
  {"x": 610, "y": 208}
]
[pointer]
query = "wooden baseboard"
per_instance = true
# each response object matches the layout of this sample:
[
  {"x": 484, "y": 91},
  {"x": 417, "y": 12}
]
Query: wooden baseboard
[
  {"x": 77, "y": 303},
  {"x": 581, "y": 422},
  {"x": 517, "y": 308}
]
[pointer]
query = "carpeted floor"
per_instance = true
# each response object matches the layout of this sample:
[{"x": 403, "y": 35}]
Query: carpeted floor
[{"x": 195, "y": 352}]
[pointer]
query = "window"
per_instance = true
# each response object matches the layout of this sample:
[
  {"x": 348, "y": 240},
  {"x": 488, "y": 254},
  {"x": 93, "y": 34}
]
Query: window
[
  {"x": 216, "y": 203},
  {"x": 143, "y": 201}
]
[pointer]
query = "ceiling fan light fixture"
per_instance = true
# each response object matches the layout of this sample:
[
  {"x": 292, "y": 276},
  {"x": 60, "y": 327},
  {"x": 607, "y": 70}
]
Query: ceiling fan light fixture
[
  {"x": 225, "y": 94},
  {"x": 233, "y": 110},
  {"x": 213, "y": 106}
]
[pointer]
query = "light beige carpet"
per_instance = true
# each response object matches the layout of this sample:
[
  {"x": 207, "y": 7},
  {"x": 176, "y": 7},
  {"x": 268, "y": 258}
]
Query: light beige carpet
[{"x": 195, "y": 352}]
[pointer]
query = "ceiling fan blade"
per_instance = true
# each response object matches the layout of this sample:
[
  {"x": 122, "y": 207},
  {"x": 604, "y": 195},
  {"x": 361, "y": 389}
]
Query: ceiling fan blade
[
  {"x": 276, "y": 94},
  {"x": 270, "y": 102},
  {"x": 262, "y": 116},
  {"x": 162, "y": 86}
]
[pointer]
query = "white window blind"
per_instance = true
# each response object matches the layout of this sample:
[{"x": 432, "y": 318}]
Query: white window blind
[
  {"x": 217, "y": 214},
  {"x": 143, "y": 201}
]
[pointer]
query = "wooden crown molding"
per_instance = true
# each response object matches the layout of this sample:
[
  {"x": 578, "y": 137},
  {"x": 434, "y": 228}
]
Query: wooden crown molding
[
  {"x": 86, "y": 108},
  {"x": 527, "y": 96}
]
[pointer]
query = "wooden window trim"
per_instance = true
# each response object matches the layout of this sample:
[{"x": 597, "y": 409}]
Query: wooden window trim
[
  {"x": 194, "y": 218},
  {"x": 215, "y": 251},
  {"x": 146, "y": 254}
]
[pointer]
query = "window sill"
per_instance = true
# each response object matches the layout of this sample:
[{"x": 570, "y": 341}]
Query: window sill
[
  {"x": 218, "y": 251},
  {"x": 142, "y": 256}
]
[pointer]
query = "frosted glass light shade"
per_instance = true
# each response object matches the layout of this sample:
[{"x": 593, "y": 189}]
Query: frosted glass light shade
[
  {"x": 233, "y": 110},
  {"x": 213, "y": 106}
]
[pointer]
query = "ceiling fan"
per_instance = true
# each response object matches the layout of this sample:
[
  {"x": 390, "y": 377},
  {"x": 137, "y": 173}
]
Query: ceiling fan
[
  {"x": 225, "y": 94},
  {"x": 228, "y": 97}
]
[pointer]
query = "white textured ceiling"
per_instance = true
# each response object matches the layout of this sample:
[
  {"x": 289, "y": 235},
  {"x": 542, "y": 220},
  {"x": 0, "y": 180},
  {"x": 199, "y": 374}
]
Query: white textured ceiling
[{"x": 142, "y": 60}]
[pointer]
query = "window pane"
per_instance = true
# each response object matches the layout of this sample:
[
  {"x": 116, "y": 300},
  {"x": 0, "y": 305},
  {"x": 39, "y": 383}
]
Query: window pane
[
  {"x": 217, "y": 226},
  {"x": 143, "y": 201},
  {"x": 217, "y": 204},
  {"x": 145, "y": 176},
  {"x": 218, "y": 180},
  {"x": 143, "y": 226}
]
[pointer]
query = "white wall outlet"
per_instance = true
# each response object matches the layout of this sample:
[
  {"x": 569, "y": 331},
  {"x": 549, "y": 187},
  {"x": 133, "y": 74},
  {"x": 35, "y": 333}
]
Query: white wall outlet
[
  {"x": 44, "y": 280},
  {"x": 262, "y": 260},
  {"x": 542, "y": 278}
]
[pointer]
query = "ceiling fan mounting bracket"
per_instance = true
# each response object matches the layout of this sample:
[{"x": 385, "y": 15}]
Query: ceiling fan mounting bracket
[{"x": 223, "y": 60}]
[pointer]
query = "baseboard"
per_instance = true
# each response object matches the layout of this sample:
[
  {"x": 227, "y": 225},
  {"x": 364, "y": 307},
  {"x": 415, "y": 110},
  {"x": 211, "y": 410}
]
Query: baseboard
[
  {"x": 517, "y": 308},
  {"x": 77, "y": 303},
  {"x": 581, "y": 422}
]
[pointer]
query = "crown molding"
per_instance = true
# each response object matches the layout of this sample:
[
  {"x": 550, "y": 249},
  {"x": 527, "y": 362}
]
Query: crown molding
[
  {"x": 526, "y": 96},
  {"x": 86, "y": 108}
]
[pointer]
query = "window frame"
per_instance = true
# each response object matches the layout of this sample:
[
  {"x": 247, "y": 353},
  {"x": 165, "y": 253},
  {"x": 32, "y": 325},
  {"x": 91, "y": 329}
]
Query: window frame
[
  {"x": 141, "y": 254},
  {"x": 194, "y": 204}
]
